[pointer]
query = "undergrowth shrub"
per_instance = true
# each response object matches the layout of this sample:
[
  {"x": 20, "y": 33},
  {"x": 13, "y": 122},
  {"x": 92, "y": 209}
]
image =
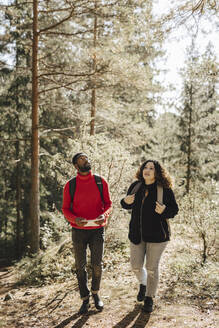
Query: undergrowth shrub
[
  {"x": 56, "y": 263},
  {"x": 198, "y": 216},
  {"x": 192, "y": 269},
  {"x": 52, "y": 227},
  {"x": 53, "y": 265},
  {"x": 187, "y": 278}
]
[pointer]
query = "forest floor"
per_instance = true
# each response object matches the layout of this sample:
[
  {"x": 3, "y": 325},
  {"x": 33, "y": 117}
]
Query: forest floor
[{"x": 56, "y": 304}]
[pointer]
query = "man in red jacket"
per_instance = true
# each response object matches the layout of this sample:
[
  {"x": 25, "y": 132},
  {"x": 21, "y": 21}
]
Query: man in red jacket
[{"x": 87, "y": 215}]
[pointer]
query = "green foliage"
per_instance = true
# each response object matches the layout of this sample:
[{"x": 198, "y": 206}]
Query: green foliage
[
  {"x": 193, "y": 265},
  {"x": 186, "y": 274},
  {"x": 52, "y": 228},
  {"x": 123, "y": 79},
  {"x": 162, "y": 143},
  {"x": 199, "y": 117},
  {"x": 199, "y": 210},
  {"x": 55, "y": 264},
  {"x": 108, "y": 158},
  {"x": 127, "y": 130}
]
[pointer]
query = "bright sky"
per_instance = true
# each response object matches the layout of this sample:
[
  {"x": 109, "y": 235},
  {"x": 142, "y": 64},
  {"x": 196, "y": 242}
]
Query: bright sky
[{"x": 176, "y": 44}]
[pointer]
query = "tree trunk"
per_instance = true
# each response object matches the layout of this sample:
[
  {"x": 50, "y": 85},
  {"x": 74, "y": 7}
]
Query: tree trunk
[
  {"x": 17, "y": 169},
  {"x": 188, "y": 174},
  {"x": 34, "y": 197},
  {"x": 93, "y": 92},
  {"x": 204, "y": 254},
  {"x": 18, "y": 202}
]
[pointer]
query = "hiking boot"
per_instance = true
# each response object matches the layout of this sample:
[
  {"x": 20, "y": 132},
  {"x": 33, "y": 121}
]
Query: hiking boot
[
  {"x": 148, "y": 304},
  {"x": 97, "y": 301},
  {"x": 84, "y": 307},
  {"x": 141, "y": 293}
]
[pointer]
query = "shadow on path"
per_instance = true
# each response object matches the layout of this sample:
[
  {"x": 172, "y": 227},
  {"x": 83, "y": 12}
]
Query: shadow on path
[
  {"x": 79, "y": 323},
  {"x": 140, "y": 322},
  {"x": 65, "y": 322}
]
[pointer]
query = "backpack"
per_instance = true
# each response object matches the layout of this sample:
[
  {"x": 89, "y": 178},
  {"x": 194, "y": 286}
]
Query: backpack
[
  {"x": 72, "y": 186},
  {"x": 159, "y": 191}
]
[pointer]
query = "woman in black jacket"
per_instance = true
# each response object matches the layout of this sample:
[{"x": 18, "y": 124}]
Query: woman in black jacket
[{"x": 149, "y": 231}]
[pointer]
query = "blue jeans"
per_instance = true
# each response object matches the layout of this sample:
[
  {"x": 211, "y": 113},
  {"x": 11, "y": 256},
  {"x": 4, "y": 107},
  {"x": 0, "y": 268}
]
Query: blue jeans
[
  {"x": 82, "y": 239},
  {"x": 148, "y": 255}
]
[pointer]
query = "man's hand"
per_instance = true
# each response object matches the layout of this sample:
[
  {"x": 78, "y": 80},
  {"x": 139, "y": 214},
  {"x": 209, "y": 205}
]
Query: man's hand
[
  {"x": 159, "y": 208},
  {"x": 81, "y": 222},
  {"x": 129, "y": 199},
  {"x": 100, "y": 220}
]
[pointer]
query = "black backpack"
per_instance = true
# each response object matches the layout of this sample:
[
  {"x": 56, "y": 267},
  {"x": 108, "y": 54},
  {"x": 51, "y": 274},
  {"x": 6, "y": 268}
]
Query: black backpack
[
  {"x": 159, "y": 191},
  {"x": 72, "y": 186}
]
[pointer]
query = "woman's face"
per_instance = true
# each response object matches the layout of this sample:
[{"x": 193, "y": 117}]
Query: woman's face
[{"x": 149, "y": 172}]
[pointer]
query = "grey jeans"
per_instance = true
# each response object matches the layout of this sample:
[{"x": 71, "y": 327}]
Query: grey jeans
[
  {"x": 150, "y": 255},
  {"x": 82, "y": 239}
]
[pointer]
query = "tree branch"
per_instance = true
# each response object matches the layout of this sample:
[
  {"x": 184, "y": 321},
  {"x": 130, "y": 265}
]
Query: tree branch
[
  {"x": 58, "y": 23},
  {"x": 56, "y": 130},
  {"x": 70, "y": 34},
  {"x": 66, "y": 74},
  {"x": 58, "y": 87},
  {"x": 15, "y": 140},
  {"x": 54, "y": 10}
]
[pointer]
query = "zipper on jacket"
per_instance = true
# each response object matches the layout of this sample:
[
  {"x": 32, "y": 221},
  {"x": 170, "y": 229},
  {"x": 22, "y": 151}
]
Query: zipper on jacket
[
  {"x": 141, "y": 218},
  {"x": 165, "y": 235}
]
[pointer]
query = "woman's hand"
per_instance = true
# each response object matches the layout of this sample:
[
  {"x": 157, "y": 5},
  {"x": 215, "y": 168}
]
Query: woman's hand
[
  {"x": 129, "y": 199},
  {"x": 159, "y": 208}
]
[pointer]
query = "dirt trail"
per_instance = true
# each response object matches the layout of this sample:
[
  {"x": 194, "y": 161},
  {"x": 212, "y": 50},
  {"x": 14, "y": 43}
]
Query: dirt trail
[{"x": 56, "y": 305}]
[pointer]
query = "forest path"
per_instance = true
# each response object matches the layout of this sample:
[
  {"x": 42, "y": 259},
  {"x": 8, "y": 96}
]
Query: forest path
[
  {"x": 56, "y": 305},
  {"x": 7, "y": 280}
]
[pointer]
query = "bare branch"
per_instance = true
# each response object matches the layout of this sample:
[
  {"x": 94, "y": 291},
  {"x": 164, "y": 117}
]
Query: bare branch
[
  {"x": 199, "y": 6},
  {"x": 15, "y": 140},
  {"x": 70, "y": 34},
  {"x": 66, "y": 74},
  {"x": 58, "y": 23},
  {"x": 56, "y": 130},
  {"x": 54, "y": 10},
  {"x": 59, "y": 86}
]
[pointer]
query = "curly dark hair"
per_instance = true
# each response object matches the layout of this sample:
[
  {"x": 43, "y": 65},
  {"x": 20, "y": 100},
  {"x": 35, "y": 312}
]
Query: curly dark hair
[{"x": 161, "y": 175}]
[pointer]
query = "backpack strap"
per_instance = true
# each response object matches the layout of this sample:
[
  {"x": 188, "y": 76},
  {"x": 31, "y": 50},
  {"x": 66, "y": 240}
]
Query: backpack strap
[
  {"x": 160, "y": 200},
  {"x": 135, "y": 188},
  {"x": 72, "y": 186},
  {"x": 159, "y": 191},
  {"x": 99, "y": 183},
  {"x": 160, "y": 194}
]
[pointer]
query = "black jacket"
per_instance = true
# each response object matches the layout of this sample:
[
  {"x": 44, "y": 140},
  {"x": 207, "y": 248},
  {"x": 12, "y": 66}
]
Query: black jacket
[{"x": 146, "y": 224}]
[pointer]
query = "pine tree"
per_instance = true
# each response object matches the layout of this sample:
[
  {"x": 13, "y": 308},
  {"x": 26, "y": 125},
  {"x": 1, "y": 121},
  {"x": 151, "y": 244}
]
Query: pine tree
[
  {"x": 64, "y": 77},
  {"x": 198, "y": 118},
  {"x": 15, "y": 104},
  {"x": 163, "y": 144}
]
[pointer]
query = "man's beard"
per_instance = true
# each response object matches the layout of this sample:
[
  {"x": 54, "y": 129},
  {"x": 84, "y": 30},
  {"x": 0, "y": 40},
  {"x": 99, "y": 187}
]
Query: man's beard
[{"x": 85, "y": 168}]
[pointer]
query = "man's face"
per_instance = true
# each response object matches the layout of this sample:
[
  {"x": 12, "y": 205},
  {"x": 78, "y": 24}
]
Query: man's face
[{"x": 83, "y": 164}]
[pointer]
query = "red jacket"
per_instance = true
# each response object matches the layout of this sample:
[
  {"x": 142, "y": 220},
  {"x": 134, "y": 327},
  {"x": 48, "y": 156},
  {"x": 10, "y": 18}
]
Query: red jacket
[{"x": 87, "y": 201}]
